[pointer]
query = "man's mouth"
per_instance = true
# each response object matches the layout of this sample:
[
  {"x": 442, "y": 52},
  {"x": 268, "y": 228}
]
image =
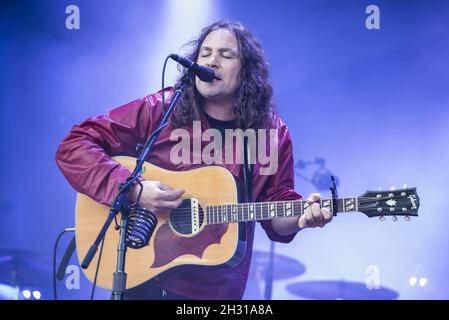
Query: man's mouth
[{"x": 216, "y": 79}]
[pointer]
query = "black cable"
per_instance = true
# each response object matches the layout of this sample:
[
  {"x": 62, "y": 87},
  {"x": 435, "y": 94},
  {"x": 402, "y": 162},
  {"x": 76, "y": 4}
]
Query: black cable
[
  {"x": 54, "y": 262},
  {"x": 96, "y": 271},
  {"x": 163, "y": 92},
  {"x": 163, "y": 113}
]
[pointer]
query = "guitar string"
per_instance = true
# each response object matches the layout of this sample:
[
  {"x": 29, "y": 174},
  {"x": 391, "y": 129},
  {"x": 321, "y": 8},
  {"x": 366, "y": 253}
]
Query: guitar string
[
  {"x": 278, "y": 203},
  {"x": 340, "y": 202},
  {"x": 185, "y": 220}
]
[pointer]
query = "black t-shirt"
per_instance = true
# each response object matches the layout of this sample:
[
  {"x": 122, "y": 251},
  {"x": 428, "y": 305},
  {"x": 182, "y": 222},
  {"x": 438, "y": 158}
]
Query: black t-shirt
[{"x": 220, "y": 125}]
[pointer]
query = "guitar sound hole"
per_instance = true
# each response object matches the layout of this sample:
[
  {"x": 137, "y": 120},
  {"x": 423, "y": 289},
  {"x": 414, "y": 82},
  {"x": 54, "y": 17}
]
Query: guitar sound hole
[{"x": 181, "y": 218}]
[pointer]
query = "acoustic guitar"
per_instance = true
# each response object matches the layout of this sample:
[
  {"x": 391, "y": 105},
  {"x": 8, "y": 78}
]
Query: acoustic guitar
[{"x": 208, "y": 229}]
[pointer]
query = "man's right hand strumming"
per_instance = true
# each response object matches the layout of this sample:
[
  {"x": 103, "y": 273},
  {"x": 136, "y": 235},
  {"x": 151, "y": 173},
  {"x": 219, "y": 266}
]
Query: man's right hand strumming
[{"x": 157, "y": 197}]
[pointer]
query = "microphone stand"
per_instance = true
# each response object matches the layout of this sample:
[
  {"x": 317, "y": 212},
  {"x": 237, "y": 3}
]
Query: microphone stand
[{"x": 120, "y": 202}]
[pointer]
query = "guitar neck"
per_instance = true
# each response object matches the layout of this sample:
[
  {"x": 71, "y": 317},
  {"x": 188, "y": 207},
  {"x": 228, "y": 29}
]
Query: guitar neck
[{"x": 256, "y": 211}]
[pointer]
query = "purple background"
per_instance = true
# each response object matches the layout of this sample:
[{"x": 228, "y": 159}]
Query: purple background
[{"x": 373, "y": 103}]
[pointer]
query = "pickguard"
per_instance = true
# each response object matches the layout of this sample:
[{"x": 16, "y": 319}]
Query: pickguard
[{"x": 168, "y": 245}]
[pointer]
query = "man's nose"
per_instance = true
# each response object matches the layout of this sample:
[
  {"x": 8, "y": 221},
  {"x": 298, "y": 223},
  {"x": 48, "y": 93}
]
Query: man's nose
[{"x": 213, "y": 61}]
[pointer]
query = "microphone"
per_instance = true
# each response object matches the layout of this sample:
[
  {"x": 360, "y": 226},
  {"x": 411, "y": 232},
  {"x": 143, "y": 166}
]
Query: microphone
[{"x": 203, "y": 73}]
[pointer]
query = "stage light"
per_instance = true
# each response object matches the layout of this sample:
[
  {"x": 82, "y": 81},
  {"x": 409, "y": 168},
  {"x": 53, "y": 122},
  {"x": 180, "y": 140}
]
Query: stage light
[
  {"x": 412, "y": 281},
  {"x": 26, "y": 294},
  {"x": 422, "y": 282},
  {"x": 181, "y": 23},
  {"x": 36, "y": 295}
]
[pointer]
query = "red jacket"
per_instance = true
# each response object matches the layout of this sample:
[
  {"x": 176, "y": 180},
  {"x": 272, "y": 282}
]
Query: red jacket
[{"x": 84, "y": 159}]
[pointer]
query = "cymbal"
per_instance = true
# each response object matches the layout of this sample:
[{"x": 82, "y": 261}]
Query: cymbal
[
  {"x": 283, "y": 267},
  {"x": 340, "y": 290},
  {"x": 23, "y": 268}
]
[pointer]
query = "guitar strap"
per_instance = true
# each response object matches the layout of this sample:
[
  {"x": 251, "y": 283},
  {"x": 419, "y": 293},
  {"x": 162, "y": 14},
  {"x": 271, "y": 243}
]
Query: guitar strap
[{"x": 247, "y": 171}]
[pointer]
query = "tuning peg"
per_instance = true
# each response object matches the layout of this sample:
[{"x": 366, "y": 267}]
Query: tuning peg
[
  {"x": 391, "y": 209},
  {"x": 404, "y": 209},
  {"x": 392, "y": 188},
  {"x": 403, "y": 194},
  {"x": 379, "y": 210},
  {"x": 381, "y": 218},
  {"x": 407, "y": 218},
  {"x": 395, "y": 218}
]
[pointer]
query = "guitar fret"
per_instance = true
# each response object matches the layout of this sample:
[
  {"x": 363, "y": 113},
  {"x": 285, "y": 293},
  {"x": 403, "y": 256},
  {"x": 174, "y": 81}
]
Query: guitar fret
[
  {"x": 262, "y": 208},
  {"x": 326, "y": 204},
  {"x": 209, "y": 214},
  {"x": 272, "y": 210},
  {"x": 297, "y": 208},
  {"x": 211, "y": 217},
  {"x": 258, "y": 211},
  {"x": 278, "y": 206},
  {"x": 288, "y": 208},
  {"x": 251, "y": 211},
  {"x": 349, "y": 204},
  {"x": 280, "y": 210},
  {"x": 305, "y": 206},
  {"x": 216, "y": 214}
]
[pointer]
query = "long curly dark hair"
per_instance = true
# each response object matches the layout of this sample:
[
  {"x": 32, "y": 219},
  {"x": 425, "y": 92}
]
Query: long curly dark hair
[{"x": 254, "y": 106}]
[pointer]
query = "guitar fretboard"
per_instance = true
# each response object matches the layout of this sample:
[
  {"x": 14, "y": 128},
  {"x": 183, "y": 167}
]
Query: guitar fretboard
[{"x": 255, "y": 211}]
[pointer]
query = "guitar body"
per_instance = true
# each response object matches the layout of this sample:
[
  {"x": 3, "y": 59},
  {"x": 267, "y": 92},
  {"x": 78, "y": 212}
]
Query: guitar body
[{"x": 171, "y": 248}]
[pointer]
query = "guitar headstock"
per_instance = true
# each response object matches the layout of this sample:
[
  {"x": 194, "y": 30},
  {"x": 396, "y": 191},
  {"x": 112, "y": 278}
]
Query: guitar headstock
[{"x": 401, "y": 202}]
